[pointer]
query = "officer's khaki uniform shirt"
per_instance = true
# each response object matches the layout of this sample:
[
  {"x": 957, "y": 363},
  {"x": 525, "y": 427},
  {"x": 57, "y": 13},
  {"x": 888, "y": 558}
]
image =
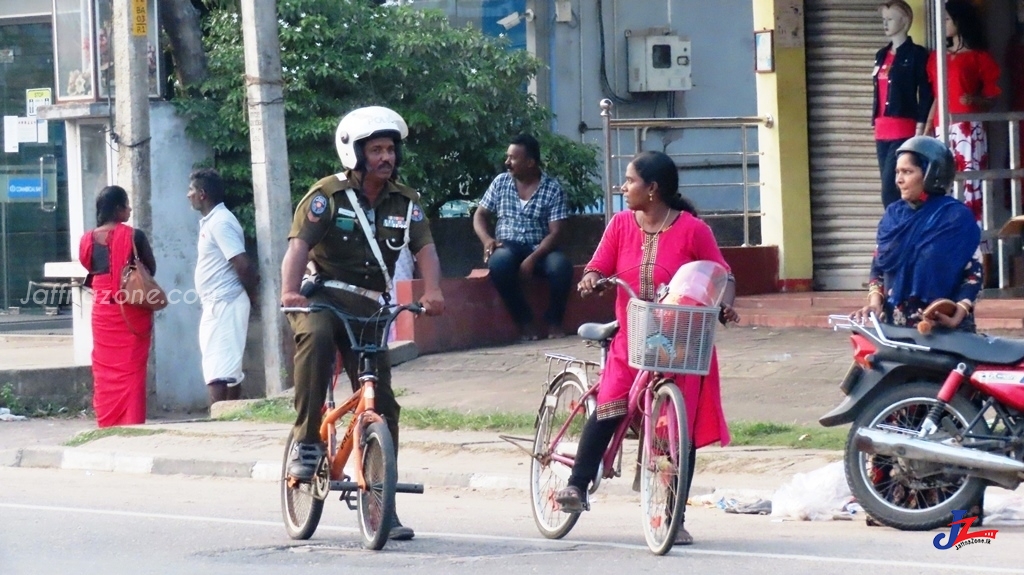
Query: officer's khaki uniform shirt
[{"x": 326, "y": 221}]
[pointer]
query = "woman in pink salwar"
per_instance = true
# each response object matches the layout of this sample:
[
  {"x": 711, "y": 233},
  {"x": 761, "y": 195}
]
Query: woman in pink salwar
[{"x": 645, "y": 245}]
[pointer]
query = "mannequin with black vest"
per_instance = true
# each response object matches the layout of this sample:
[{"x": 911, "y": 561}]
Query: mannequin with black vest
[
  {"x": 351, "y": 227},
  {"x": 902, "y": 95}
]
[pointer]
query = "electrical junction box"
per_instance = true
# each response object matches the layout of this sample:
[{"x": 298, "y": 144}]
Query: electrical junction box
[{"x": 658, "y": 61}]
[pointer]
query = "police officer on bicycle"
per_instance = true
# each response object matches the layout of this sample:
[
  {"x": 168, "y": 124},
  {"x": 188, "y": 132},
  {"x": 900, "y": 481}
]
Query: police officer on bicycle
[{"x": 351, "y": 227}]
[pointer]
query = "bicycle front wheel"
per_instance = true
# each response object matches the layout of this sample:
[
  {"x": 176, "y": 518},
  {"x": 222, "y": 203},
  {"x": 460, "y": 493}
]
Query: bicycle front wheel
[
  {"x": 377, "y": 501},
  {"x": 300, "y": 506},
  {"x": 547, "y": 476},
  {"x": 664, "y": 468}
]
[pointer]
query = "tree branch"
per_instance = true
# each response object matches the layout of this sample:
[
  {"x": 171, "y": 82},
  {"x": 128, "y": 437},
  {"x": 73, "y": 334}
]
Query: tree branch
[{"x": 181, "y": 22}]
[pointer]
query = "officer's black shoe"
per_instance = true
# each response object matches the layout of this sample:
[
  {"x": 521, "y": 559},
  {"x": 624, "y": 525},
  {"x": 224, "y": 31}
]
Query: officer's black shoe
[
  {"x": 400, "y": 532},
  {"x": 305, "y": 458}
]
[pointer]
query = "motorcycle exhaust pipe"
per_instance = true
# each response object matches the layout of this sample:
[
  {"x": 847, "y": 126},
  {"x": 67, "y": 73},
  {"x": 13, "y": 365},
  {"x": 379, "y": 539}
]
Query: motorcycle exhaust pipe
[{"x": 878, "y": 442}]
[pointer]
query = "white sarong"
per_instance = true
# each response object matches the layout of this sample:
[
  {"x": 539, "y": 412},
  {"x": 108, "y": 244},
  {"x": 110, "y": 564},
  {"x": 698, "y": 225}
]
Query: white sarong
[{"x": 222, "y": 332}]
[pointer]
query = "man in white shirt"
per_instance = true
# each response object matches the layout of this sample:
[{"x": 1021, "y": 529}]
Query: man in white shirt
[{"x": 226, "y": 282}]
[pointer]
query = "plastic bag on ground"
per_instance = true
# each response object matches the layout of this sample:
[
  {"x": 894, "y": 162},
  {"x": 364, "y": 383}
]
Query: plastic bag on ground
[
  {"x": 6, "y": 415},
  {"x": 1003, "y": 507},
  {"x": 819, "y": 495}
]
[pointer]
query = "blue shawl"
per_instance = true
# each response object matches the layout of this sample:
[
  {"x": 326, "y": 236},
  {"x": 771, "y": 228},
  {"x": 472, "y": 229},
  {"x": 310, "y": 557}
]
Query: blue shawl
[{"x": 923, "y": 251}]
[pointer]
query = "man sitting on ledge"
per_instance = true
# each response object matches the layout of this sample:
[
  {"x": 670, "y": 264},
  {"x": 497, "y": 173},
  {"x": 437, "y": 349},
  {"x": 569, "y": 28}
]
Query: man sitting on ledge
[{"x": 531, "y": 210}]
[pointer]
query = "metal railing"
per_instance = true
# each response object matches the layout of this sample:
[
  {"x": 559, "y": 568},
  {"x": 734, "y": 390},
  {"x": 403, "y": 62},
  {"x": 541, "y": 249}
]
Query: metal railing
[
  {"x": 640, "y": 128},
  {"x": 1014, "y": 174}
]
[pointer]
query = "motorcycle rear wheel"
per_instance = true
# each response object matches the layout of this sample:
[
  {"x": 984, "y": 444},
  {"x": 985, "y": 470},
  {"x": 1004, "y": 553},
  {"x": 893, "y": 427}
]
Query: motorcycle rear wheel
[{"x": 889, "y": 488}]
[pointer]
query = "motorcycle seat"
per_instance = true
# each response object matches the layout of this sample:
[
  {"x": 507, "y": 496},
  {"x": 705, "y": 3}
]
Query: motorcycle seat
[{"x": 971, "y": 346}]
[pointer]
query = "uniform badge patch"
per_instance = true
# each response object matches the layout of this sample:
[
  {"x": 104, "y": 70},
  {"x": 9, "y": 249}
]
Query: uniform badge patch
[
  {"x": 417, "y": 213},
  {"x": 317, "y": 207}
]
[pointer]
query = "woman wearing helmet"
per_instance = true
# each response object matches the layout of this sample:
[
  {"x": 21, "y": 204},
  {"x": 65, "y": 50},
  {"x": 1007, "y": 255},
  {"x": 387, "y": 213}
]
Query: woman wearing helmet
[
  {"x": 645, "y": 245},
  {"x": 927, "y": 246}
]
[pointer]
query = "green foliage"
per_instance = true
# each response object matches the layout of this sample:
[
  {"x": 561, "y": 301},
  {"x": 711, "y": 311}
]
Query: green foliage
[
  {"x": 10, "y": 400},
  {"x": 460, "y": 92},
  {"x": 275, "y": 410},
  {"x": 787, "y": 435},
  {"x": 94, "y": 434}
]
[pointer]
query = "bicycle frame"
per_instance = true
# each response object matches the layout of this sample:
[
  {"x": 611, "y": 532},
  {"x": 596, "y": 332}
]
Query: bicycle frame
[
  {"x": 360, "y": 403},
  {"x": 642, "y": 389}
]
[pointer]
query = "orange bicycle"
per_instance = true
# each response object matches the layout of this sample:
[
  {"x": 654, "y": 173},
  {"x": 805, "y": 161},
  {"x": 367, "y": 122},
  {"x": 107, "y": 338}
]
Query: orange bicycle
[{"x": 366, "y": 439}]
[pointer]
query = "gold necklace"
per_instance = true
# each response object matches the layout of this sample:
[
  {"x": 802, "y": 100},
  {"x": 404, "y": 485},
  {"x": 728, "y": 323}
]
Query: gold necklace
[{"x": 663, "y": 222}]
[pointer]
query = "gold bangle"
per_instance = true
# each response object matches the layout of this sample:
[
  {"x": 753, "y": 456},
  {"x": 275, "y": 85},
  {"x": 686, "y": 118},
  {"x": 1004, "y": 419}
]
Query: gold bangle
[
  {"x": 964, "y": 307},
  {"x": 874, "y": 290}
]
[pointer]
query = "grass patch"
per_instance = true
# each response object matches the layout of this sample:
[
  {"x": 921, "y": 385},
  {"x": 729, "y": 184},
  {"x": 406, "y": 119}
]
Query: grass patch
[
  {"x": 280, "y": 410},
  {"x": 744, "y": 433},
  {"x": 788, "y": 435},
  {"x": 93, "y": 435},
  {"x": 451, "y": 420},
  {"x": 277, "y": 410}
]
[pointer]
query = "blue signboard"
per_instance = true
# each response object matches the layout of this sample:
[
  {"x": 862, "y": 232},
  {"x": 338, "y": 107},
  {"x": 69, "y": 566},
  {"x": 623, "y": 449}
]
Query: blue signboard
[{"x": 26, "y": 188}]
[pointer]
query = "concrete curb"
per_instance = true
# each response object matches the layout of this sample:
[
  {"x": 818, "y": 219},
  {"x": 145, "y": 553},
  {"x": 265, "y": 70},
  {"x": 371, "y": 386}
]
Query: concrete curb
[{"x": 261, "y": 470}]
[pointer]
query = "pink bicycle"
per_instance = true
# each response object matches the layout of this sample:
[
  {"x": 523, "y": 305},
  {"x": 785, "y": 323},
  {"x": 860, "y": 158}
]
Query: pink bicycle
[{"x": 663, "y": 340}]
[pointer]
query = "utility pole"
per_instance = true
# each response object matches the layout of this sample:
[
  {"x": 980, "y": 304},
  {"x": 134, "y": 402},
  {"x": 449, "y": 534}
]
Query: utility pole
[
  {"x": 131, "y": 106},
  {"x": 265, "y": 95}
]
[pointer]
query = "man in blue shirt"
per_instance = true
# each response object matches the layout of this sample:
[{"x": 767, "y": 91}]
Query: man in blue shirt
[{"x": 531, "y": 209}]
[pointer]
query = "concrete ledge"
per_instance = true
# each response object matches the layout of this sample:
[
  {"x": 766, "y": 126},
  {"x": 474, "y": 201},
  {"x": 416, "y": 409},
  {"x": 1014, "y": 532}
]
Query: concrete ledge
[
  {"x": 402, "y": 351},
  {"x": 266, "y": 471},
  {"x": 166, "y": 466},
  {"x": 42, "y": 457},
  {"x": 10, "y": 457},
  {"x": 70, "y": 386},
  {"x": 263, "y": 470}
]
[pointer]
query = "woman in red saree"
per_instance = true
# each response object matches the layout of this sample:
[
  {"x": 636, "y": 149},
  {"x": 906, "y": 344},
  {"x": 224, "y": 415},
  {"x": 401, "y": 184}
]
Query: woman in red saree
[
  {"x": 121, "y": 334},
  {"x": 645, "y": 245}
]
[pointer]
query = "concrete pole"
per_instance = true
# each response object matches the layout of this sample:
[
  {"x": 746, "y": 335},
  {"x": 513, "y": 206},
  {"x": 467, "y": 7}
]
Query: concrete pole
[
  {"x": 265, "y": 94},
  {"x": 131, "y": 109}
]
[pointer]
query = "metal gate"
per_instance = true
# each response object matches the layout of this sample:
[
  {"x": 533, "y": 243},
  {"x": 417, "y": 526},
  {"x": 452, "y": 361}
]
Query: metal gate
[{"x": 842, "y": 37}]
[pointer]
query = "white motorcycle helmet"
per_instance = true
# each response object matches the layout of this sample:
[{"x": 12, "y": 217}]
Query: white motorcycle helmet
[{"x": 366, "y": 123}]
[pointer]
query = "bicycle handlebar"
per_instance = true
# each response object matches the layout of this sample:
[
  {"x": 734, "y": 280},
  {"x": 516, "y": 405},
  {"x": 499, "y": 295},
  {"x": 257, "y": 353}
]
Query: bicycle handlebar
[
  {"x": 347, "y": 317},
  {"x": 605, "y": 283}
]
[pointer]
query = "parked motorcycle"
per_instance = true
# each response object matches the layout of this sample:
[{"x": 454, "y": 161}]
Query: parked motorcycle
[{"x": 936, "y": 419}]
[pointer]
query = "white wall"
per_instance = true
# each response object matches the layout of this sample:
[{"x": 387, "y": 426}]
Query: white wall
[
  {"x": 175, "y": 360},
  {"x": 721, "y": 36}
]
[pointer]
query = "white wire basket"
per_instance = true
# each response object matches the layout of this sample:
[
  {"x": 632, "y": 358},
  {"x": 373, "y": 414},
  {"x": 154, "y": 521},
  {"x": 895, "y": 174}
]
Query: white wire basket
[{"x": 671, "y": 338}]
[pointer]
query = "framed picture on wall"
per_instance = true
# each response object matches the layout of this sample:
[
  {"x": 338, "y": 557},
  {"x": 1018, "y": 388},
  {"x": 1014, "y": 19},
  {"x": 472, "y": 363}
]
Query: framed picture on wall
[{"x": 764, "y": 51}]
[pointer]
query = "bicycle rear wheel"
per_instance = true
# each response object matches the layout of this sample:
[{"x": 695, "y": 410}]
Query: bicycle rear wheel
[
  {"x": 377, "y": 501},
  {"x": 300, "y": 505},
  {"x": 663, "y": 468},
  {"x": 547, "y": 477}
]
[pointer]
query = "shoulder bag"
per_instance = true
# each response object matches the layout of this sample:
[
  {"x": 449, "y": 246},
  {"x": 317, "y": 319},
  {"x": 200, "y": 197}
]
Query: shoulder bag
[{"x": 137, "y": 285}]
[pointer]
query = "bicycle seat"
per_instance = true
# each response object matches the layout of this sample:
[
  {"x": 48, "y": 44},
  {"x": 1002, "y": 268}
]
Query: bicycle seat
[{"x": 598, "y": 331}]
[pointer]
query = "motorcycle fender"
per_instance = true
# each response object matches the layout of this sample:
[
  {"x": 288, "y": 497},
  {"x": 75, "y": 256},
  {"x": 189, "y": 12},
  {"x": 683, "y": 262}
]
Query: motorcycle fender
[{"x": 859, "y": 386}]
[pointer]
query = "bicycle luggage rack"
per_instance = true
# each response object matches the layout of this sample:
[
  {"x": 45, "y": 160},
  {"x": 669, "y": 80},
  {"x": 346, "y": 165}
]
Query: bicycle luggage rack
[{"x": 561, "y": 364}]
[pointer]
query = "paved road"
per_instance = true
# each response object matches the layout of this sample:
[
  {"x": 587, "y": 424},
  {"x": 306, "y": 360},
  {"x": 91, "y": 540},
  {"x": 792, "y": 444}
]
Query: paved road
[{"x": 117, "y": 523}]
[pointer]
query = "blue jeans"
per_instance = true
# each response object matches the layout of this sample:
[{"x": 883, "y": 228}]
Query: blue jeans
[
  {"x": 504, "y": 272},
  {"x": 887, "y": 168}
]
